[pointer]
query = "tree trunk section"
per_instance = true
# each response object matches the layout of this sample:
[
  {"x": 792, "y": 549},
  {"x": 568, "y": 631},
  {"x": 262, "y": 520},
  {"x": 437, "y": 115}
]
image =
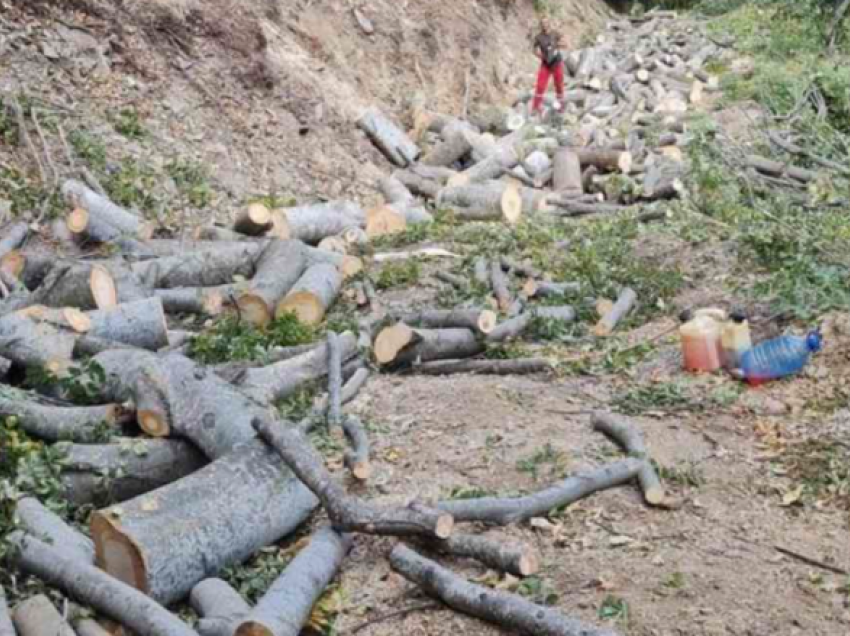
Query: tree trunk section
[
  {"x": 13, "y": 237},
  {"x": 81, "y": 285},
  {"x": 505, "y": 157},
  {"x": 388, "y": 137},
  {"x": 37, "y": 616},
  {"x": 254, "y": 220},
  {"x": 777, "y": 169},
  {"x": 512, "y": 613},
  {"x": 454, "y": 146},
  {"x": 204, "y": 268},
  {"x": 606, "y": 160},
  {"x": 220, "y": 606},
  {"x": 203, "y": 301},
  {"x": 244, "y": 501},
  {"x": 104, "y": 221},
  {"x": 621, "y": 308},
  {"x": 567, "y": 176},
  {"x": 384, "y": 220},
  {"x": 348, "y": 513},
  {"x": 6, "y": 627},
  {"x": 66, "y": 317},
  {"x": 629, "y": 437},
  {"x": 514, "y": 510},
  {"x": 495, "y": 201},
  {"x": 285, "y": 607},
  {"x": 312, "y": 223},
  {"x": 399, "y": 344},
  {"x": 419, "y": 185},
  {"x": 101, "y": 475},
  {"x": 45, "y": 525},
  {"x": 27, "y": 344},
  {"x": 480, "y": 320},
  {"x": 279, "y": 267},
  {"x": 515, "y": 327},
  {"x": 515, "y": 559},
  {"x": 95, "y": 588},
  {"x": 518, "y": 366},
  {"x": 394, "y": 191},
  {"x": 313, "y": 294},
  {"x": 499, "y": 284},
  {"x": 140, "y": 324}
]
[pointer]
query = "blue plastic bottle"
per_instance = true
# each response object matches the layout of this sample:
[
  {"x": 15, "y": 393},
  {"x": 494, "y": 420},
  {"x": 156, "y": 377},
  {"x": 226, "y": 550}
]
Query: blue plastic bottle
[{"x": 779, "y": 357}]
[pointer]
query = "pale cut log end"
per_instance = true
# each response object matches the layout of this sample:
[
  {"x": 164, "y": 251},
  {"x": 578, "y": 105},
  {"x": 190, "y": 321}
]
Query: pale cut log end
[
  {"x": 253, "y": 628},
  {"x": 153, "y": 423},
  {"x": 146, "y": 230},
  {"x": 421, "y": 122},
  {"x": 391, "y": 341},
  {"x": 361, "y": 471},
  {"x": 511, "y": 204},
  {"x": 529, "y": 563},
  {"x": 383, "y": 221},
  {"x": 213, "y": 303},
  {"x": 115, "y": 553},
  {"x": 335, "y": 244},
  {"x": 254, "y": 309},
  {"x": 529, "y": 289},
  {"x": 460, "y": 179},
  {"x": 355, "y": 236},
  {"x": 655, "y": 496},
  {"x": 254, "y": 220},
  {"x": 103, "y": 288},
  {"x": 602, "y": 330},
  {"x": 76, "y": 319},
  {"x": 13, "y": 263},
  {"x": 305, "y": 305},
  {"x": 487, "y": 321},
  {"x": 444, "y": 526},
  {"x": 77, "y": 221},
  {"x": 625, "y": 162},
  {"x": 603, "y": 306},
  {"x": 280, "y": 226},
  {"x": 351, "y": 266}
]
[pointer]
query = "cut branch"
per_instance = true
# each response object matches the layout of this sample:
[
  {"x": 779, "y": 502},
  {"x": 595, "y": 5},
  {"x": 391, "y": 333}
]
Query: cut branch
[
  {"x": 518, "y": 366},
  {"x": 220, "y": 606},
  {"x": 37, "y": 616},
  {"x": 139, "y": 324},
  {"x": 400, "y": 344},
  {"x": 480, "y": 320},
  {"x": 313, "y": 294},
  {"x": 388, "y": 137},
  {"x": 611, "y": 319},
  {"x": 46, "y": 526},
  {"x": 357, "y": 457},
  {"x": 516, "y": 559},
  {"x": 279, "y": 267}
]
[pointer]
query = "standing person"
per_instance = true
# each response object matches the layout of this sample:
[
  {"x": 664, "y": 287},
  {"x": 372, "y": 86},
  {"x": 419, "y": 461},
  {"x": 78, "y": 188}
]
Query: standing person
[{"x": 547, "y": 48}]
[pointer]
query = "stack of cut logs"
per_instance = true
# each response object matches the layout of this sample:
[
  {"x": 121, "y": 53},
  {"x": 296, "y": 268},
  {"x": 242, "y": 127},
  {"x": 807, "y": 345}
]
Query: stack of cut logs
[{"x": 199, "y": 474}]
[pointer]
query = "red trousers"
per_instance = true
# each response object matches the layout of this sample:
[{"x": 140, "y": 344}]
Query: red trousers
[{"x": 543, "y": 76}]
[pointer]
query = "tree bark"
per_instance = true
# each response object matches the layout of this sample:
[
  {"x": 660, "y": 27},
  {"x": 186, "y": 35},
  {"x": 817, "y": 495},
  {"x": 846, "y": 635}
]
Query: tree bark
[
  {"x": 508, "y": 611},
  {"x": 6, "y": 627},
  {"x": 454, "y": 146},
  {"x": 388, "y": 137},
  {"x": 605, "y": 159},
  {"x": 578, "y": 208},
  {"x": 417, "y": 184},
  {"x": 279, "y": 381},
  {"x": 567, "y": 172},
  {"x": 279, "y": 266},
  {"x": 81, "y": 285},
  {"x": 215, "y": 233},
  {"x": 348, "y": 513},
  {"x": 125, "y": 468},
  {"x": 518, "y": 366},
  {"x": 494, "y": 201},
  {"x": 623, "y": 306},
  {"x": 348, "y": 265},
  {"x": 334, "y": 411},
  {"x": 499, "y": 284},
  {"x": 140, "y": 324},
  {"x": 394, "y": 191},
  {"x": 88, "y": 346},
  {"x": 513, "y": 510},
  {"x": 95, "y": 588},
  {"x": 627, "y": 435},
  {"x": 479, "y": 320},
  {"x": 5, "y": 368},
  {"x": 777, "y": 169},
  {"x": 89, "y": 627},
  {"x": 286, "y": 606},
  {"x": 27, "y": 344},
  {"x": 204, "y": 268},
  {"x": 254, "y": 220},
  {"x": 104, "y": 221},
  {"x": 220, "y": 606},
  {"x": 545, "y": 289},
  {"x": 357, "y": 457},
  {"x": 313, "y": 294},
  {"x": 66, "y": 317},
  {"x": 514, "y": 327},
  {"x": 349, "y": 390},
  {"x": 413, "y": 212},
  {"x": 13, "y": 237},
  {"x": 37, "y": 616},
  {"x": 400, "y": 345},
  {"x": 505, "y": 157},
  {"x": 54, "y": 422},
  {"x": 204, "y": 301},
  {"x": 516, "y": 559},
  {"x": 312, "y": 223},
  {"x": 46, "y": 526},
  {"x": 244, "y": 501}
]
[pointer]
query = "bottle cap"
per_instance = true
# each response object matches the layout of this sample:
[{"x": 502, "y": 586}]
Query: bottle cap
[
  {"x": 738, "y": 315},
  {"x": 814, "y": 340},
  {"x": 686, "y": 315}
]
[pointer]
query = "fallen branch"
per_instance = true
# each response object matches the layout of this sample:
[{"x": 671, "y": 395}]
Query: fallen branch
[
  {"x": 518, "y": 366},
  {"x": 400, "y": 344},
  {"x": 516, "y": 559},
  {"x": 508, "y": 611},
  {"x": 810, "y": 561},
  {"x": 6, "y": 627},
  {"x": 349, "y": 514},
  {"x": 357, "y": 457},
  {"x": 623, "y": 306},
  {"x": 286, "y": 606},
  {"x": 480, "y": 320},
  {"x": 220, "y": 607},
  {"x": 499, "y": 284},
  {"x": 46, "y": 526},
  {"x": 139, "y": 324},
  {"x": 279, "y": 266},
  {"x": 334, "y": 414},
  {"x": 37, "y": 616},
  {"x": 564, "y": 493},
  {"x": 629, "y": 438}
]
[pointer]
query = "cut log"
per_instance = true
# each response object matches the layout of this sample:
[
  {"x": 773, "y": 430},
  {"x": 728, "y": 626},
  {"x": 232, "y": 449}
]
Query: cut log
[
  {"x": 566, "y": 207},
  {"x": 52, "y": 422},
  {"x": 511, "y": 612},
  {"x": 454, "y": 146},
  {"x": 499, "y": 284},
  {"x": 29, "y": 344},
  {"x": 513, "y": 510},
  {"x": 348, "y": 513},
  {"x": 394, "y": 190},
  {"x": 357, "y": 457},
  {"x": 605, "y": 159},
  {"x": 516, "y": 366},
  {"x": 67, "y": 317},
  {"x": 777, "y": 169},
  {"x": 481, "y": 271},
  {"x": 384, "y": 220},
  {"x": 279, "y": 381},
  {"x": 215, "y": 233},
  {"x": 400, "y": 344},
  {"x": 13, "y": 237},
  {"x": 100, "y": 475},
  {"x": 545, "y": 289},
  {"x": 334, "y": 411},
  {"x": 254, "y": 220},
  {"x": 86, "y": 346},
  {"x": 663, "y": 180},
  {"x": 6, "y": 627},
  {"x": 103, "y": 220},
  {"x": 349, "y": 265},
  {"x": 37, "y": 616},
  {"x": 629, "y": 437},
  {"x": 89, "y": 627},
  {"x": 537, "y": 164},
  {"x": 312, "y": 223},
  {"x": 203, "y": 268},
  {"x": 391, "y": 140},
  {"x": 419, "y": 185},
  {"x": 80, "y": 285},
  {"x": 566, "y": 176},
  {"x": 285, "y": 607},
  {"x": 140, "y": 324},
  {"x": 515, "y": 327},
  {"x": 313, "y": 294},
  {"x": 413, "y": 212},
  {"x": 623, "y": 306},
  {"x": 204, "y": 301},
  {"x": 349, "y": 391},
  {"x": 5, "y": 368},
  {"x": 248, "y": 483},
  {"x": 220, "y": 606},
  {"x": 279, "y": 266},
  {"x": 95, "y": 588},
  {"x": 515, "y": 559},
  {"x": 494, "y": 201},
  {"x": 45, "y": 525},
  {"x": 506, "y": 156},
  {"x": 480, "y": 320}
]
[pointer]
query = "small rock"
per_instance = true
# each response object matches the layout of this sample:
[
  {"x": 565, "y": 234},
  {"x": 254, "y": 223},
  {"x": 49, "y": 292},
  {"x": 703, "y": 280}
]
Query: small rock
[{"x": 619, "y": 541}]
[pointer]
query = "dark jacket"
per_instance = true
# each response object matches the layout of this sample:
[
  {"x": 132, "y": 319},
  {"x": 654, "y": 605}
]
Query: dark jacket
[{"x": 547, "y": 43}]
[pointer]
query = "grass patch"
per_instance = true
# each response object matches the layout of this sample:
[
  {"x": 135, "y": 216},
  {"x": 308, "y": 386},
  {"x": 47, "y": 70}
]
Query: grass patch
[
  {"x": 547, "y": 457},
  {"x": 192, "y": 181},
  {"x": 395, "y": 274},
  {"x": 128, "y": 122},
  {"x": 823, "y": 467}
]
